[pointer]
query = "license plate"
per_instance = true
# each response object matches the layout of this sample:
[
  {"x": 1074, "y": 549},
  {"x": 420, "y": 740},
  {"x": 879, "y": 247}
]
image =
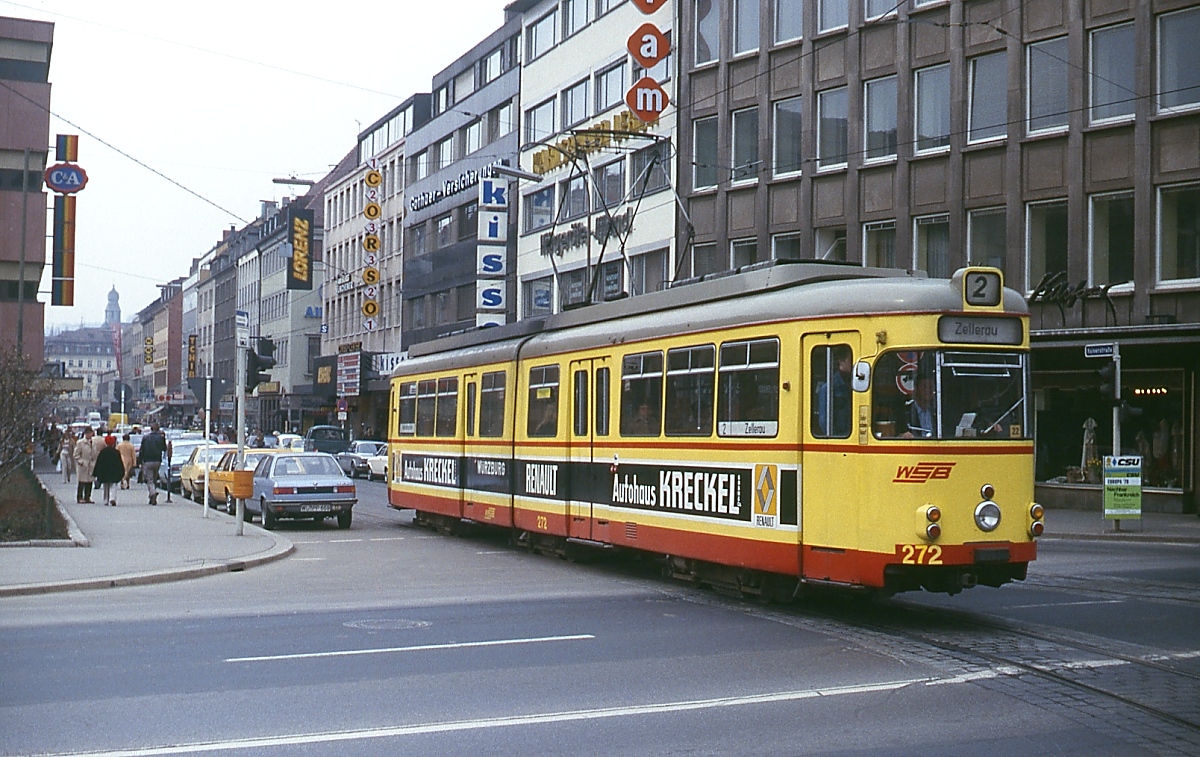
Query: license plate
[{"x": 315, "y": 508}]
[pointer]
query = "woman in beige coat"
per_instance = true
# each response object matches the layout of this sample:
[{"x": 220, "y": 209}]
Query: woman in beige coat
[{"x": 85, "y": 462}]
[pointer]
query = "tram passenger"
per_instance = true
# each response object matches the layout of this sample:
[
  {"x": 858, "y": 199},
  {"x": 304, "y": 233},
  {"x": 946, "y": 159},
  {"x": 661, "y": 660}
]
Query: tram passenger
[{"x": 922, "y": 409}]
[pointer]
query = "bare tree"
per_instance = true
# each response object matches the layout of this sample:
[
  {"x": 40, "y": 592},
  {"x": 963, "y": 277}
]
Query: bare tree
[{"x": 24, "y": 398}]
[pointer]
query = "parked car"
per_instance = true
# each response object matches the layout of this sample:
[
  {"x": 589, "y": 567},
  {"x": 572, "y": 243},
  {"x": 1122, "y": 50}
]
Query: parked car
[
  {"x": 191, "y": 475},
  {"x": 181, "y": 451},
  {"x": 302, "y": 485},
  {"x": 331, "y": 439},
  {"x": 220, "y": 479},
  {"x": 290, "y": 441},
  {"x": 354, "y": 460},
  {"x": 377, "y": 466}
]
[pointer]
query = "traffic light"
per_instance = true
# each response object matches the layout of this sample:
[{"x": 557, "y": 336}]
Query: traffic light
[
  {"x": 257, "y": 363},
  {"x": 1108, "y": 381},
  {"x": 1128, "y": 412}
]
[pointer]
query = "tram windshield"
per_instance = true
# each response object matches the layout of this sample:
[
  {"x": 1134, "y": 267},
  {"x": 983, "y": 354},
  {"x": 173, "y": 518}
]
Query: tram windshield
[{"x": 950, "y": 394}]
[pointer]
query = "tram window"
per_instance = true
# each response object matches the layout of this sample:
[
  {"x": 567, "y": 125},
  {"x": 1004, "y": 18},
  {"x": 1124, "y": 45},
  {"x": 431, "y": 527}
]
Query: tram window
[
  {"x": 447, "y": 406},
  {"x": 690, "y": 385},
  {"x": 641, "y": 394},
  {"x": 491, "y": 404},
  {"x": 949, "y": 395},
  {"x": 832, "y": 408},
  {"x": 543, "y": 401},
  {"x": 471, "y": 408},
  {"x": 748, "y": 388},
  {"x": 426, "y": 407},
  {"x": 580, "y": 404},
  {"x": 602, "y": 395},
  {"x": 408, "y": 408}
]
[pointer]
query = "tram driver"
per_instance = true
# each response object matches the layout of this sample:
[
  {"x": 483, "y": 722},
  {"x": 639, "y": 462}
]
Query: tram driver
[{"x": 922, "y": 408}]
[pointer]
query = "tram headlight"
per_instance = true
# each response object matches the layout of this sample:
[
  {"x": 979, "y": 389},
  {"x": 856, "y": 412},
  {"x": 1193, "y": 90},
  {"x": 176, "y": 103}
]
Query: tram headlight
[
  {"x": 987, "y": 516},
  {"x": 933, "y": 531},
  {"x": 1037, "y": 528}
]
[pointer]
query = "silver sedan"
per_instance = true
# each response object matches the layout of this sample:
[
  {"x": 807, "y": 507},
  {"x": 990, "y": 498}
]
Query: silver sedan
[{"x": 302, "y": 485}]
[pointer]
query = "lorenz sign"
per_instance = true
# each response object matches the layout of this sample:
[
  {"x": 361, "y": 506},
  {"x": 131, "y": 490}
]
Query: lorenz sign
[{"x": 300, "y": 239}]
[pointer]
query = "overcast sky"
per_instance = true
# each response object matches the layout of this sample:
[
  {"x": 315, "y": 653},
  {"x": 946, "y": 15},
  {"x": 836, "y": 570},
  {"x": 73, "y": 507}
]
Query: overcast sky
[{"x": 221, "y": 97}]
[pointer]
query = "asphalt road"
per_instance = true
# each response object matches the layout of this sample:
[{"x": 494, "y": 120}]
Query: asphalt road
[{"x": 387, "y": 639}]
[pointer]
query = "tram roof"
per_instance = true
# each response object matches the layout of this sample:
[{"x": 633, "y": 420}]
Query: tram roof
[{"x": 770, "y": 292}]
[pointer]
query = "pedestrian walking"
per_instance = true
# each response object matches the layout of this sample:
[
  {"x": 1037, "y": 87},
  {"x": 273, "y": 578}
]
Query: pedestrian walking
[
  {"x": 110, "y": 469},
  {"x": 128, "y": 458},
  {"x": 85, "y": 463},
  {"x": 154, "y": 447},
  {"x": 66, "y": 455}
]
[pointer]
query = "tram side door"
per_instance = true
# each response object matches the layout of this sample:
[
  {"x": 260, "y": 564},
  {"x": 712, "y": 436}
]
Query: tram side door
[
  {"x": 829, "y": 488},
  {"x": 586, "y": 412}
]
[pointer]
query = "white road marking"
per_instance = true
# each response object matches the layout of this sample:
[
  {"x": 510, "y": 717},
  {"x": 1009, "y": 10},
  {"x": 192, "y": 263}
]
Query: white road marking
[
  {"x": 389, "y": 538},
  {"x": 343, "y": 541},
  {"x": 1068, "y": 604},
  {"x": 496, "y": 552},
  {"x": 309, "y": 559},
  {"x": 566, "y": 716},
  {"x": 418, "y": 648}
]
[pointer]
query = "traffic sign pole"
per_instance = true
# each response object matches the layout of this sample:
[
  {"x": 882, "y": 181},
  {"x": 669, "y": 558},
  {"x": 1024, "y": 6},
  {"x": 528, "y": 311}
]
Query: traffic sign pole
[{"x": 240, "y": 393}]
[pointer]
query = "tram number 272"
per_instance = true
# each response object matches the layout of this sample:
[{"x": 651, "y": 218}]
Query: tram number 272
[{"x": 921, "y": 554}]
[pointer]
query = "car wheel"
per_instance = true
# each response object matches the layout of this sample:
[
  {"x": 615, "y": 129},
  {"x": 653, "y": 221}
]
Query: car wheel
[
  {"x": 344, "y": 519},
  {"x": 230, "y": 504},
  {"x": 268, "y": 518}
]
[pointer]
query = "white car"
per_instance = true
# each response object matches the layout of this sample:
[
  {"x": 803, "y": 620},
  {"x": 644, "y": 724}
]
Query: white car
[
  {"x": 290, "y": 441},
  {"x": 377, "y": 467}
]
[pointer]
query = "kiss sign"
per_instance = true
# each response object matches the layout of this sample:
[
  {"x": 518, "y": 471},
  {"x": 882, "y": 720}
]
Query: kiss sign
[{"x": 66, "y": 178}]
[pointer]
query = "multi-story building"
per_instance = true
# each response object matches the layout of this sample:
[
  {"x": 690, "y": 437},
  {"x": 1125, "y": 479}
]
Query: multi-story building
[
  {"x": 24, "y": 134},
  {"x": 86, "y": 353},
  {"x": 1056, "y": 140},
  {"x": 473, "y": 127},
  {"x": 601, "y": 223}
]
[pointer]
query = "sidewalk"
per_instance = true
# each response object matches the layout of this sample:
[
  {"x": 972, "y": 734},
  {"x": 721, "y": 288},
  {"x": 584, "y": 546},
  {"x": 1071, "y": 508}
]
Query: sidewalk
[
  {"x": 135, "y": 543},
  {"x": 132, "y": 543}
]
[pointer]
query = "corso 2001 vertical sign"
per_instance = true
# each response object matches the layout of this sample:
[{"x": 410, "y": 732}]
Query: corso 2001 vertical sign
[{"x": 300, "y": 239}]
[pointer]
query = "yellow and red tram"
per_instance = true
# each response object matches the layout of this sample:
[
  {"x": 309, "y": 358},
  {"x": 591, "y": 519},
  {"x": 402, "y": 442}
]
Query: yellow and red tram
[{"x": 799, "y": 424}]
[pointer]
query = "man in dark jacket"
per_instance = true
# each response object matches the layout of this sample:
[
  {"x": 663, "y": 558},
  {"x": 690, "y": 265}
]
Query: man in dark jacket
[{"x": 154, "y": 447}]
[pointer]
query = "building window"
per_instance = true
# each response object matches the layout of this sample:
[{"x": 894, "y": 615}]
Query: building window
[
  {"x": 879, "y": 8},
  {"x": 472, "y": 137},
  {"x": 648, "y": 272},
  {"x": 986, "y": 237},
  {"x": 745, "y": 26},
  {"x": 610, "y": 184},
  {"x": 708, "y": 31},
  {"x": 704, "y": 158},
  {"x": 879, "y": 244},
  {"x": 831, "y": 243},
  {"x": 744, "y": 252},
  {"x": 832, "y": 14},
  {"x": 1046, "y": 85},
  {"x": 789, "y": 20},
  {"x": 441, "y": 308},
  {"x": 489, "y": 67},
  {"x": 786, "y": 246},
  {"x": 575, "y": 204},
  {"x": 745, "y": 144},
  {"x": 880, "y": 136},
  {"x": 416, "y": 312},
  {"x": 464, "y": 302},
  {"x": 1179, "y": 232},
  {"x": 989, "y": 100},
  {"x": 933, "y": 108},
  {"x": 422, "y": 162},
  {"x": 444, "y": 226},
  {"x": 1113, "y": 92},
  {"x": 574, "y": 289},
  {"x": 539, "y": 210},
  {"x": 539, "y": 297},
  {"x": 445, "y": 152},
  {"x": 575, "y": 16},
  {"x": 1178, "y": 61},
  {"x": 542, "y": 35},
  {"x": 464, "y": 85},
  {"x": 604, "y": 6},
  {"x": 931, "y": 240},
  {"x": 416, "y": 239},
  {"x": 610, "y": 87},
  {"x": 501, "y": 121},
  {"x": 575, "y": 104},
  {"x": 1046, "y": 241},
  {"x": 832, "y": 127},
  {"x": 787, "y": 131},
  {"x": 705, "y": 259},
  {"x": 651, "y": 169},
  {"x": 539, "y": 122},
  {"x": 1111, "y": 239}
]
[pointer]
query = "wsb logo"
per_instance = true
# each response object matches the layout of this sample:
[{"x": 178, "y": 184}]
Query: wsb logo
[{"x": 922, "y": 472}]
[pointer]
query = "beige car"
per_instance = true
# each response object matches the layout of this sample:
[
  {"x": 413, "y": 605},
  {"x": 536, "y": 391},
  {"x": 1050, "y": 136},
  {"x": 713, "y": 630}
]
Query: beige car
[{"x": 191, "y": 475}]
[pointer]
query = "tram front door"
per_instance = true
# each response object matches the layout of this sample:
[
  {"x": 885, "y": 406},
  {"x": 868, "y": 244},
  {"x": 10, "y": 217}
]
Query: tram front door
[{"x": 589, "y": 419}]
